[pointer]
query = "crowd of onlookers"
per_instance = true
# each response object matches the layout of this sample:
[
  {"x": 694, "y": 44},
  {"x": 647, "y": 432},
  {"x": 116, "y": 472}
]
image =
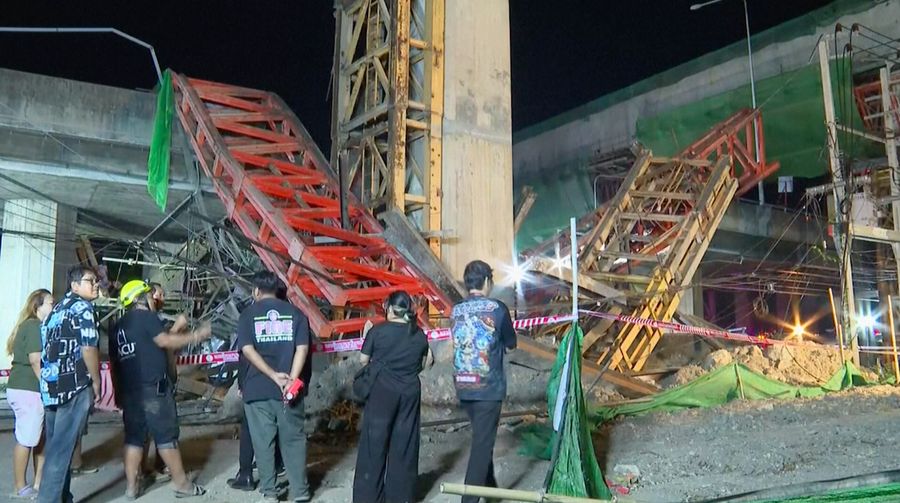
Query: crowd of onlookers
[{"x": 55, "y": 380}]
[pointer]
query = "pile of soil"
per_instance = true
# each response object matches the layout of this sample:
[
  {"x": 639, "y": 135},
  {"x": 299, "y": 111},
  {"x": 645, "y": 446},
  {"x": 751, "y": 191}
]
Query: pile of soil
[{"x": 807, "y": 364}]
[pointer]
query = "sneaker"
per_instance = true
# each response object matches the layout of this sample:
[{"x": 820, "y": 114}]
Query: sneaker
[{"x": 26, "y": 492}]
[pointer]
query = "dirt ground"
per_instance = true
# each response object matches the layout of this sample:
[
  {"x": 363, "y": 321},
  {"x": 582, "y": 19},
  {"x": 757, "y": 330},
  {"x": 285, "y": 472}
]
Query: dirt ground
[{"x": 687, "y": 456}]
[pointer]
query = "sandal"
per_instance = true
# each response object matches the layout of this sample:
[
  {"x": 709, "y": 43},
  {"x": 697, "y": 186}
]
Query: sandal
[{"x": 196, "y": 490}]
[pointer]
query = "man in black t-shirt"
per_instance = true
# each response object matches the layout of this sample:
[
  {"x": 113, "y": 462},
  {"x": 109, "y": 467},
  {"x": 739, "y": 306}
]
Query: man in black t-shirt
[
  {"x": 482, "y": 332},
  {"x": 274, "y": 338},
  {"x": 145, "y": 392}
]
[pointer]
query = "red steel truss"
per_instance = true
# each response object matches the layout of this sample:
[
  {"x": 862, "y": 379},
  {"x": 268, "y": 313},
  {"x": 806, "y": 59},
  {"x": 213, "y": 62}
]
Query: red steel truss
[{"x": 279, "y": 190}]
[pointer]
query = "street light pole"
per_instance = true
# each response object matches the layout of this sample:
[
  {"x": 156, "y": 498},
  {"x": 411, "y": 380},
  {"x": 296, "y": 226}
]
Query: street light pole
[{"x": 698, "y": 6}]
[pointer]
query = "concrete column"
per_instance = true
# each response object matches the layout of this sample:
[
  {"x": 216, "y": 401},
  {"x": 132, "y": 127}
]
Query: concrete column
[
  {"x": 27, "y": 254},
  {"x": 64, "y": 256},
  {"x": 477, "y": 136}
]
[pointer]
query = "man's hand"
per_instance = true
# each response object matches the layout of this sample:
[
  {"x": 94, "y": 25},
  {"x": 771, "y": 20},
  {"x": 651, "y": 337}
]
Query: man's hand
[
  {"x": 97, "y": 396},
  {"x": 181, "y": 322},
  {"x": 204, "y": 332},
  {"x": 282, "y": 380}
]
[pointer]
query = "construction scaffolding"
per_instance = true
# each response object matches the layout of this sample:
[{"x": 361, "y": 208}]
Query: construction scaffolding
[{"x": 640, "y": 252}]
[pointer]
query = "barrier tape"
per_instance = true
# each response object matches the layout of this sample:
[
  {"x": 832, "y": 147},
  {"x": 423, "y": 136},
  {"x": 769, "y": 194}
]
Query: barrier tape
[
  {"x": 759, "y": 340},
  {"x": 337, "y": 346}
]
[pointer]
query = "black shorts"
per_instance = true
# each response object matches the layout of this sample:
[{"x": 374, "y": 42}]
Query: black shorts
[{"x": 148, "y": 413}]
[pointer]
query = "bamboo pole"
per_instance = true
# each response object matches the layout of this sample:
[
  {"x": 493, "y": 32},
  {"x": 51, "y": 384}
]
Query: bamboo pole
[
  {"x": 837, "y": 326},
  {"x": 893, "y": 342},
  {"x": 513, "y": 495}
]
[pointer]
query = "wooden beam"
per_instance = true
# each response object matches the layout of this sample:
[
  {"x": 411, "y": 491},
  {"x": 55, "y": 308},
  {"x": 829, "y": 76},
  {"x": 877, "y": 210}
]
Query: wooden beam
[{"x": 528, "y": 198}]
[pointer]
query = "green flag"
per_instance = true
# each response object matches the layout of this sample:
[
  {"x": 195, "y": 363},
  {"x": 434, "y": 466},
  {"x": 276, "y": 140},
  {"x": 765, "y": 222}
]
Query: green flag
[
  {"x": 158, "y": 162},
  {"x": 574, "y": 470}
]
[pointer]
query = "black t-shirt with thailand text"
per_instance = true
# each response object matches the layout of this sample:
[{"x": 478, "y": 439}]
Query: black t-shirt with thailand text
[
  {"x": 400, "y": 351},
  {"x": 274, "y": 328},
  {"x": 482, "y": 330},
  {"x": 137, "y": 360}
]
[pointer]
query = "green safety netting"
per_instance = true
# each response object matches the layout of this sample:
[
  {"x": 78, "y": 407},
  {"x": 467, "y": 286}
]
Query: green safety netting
[
  {"x": 728, "y": 383},
  {"x": 158, "y": 161},
  {"x": 574, "y": 470}
]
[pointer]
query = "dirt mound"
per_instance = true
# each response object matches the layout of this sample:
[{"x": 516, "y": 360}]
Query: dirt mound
[{"x": 806, "y": 364}]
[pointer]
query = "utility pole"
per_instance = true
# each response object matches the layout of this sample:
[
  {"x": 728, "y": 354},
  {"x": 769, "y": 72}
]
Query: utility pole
[{"x": 842, "y": 237}]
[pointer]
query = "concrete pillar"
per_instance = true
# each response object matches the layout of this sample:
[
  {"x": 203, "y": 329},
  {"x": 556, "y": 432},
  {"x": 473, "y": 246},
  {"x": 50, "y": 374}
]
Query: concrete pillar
[
  {"x": 64, "y": 256},
  {"x": 477, "y": 207},
  {"x": 27, "y": 254}
]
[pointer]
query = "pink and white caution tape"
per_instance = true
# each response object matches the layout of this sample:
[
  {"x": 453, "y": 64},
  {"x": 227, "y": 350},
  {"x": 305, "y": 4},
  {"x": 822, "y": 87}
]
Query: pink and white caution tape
[
  {"x": 759, "y": 340},
  {"x": 343, "y": 345}
]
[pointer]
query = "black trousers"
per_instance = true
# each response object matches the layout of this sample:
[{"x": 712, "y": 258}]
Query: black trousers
[
  {"x": 387, "y": 460},
  {"x": 485, "y": 416},
  {"x": 245, "y": 453}
]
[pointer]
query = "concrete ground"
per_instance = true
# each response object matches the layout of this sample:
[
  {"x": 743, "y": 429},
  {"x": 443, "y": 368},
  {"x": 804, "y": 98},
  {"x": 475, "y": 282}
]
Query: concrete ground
[
  {"x": 692, "y": 455},
  {"x": 211, "y": 451}
]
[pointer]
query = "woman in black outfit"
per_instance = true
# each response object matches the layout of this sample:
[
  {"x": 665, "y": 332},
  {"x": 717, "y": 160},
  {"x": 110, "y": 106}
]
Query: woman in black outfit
[{"x": 387, "y": 461}]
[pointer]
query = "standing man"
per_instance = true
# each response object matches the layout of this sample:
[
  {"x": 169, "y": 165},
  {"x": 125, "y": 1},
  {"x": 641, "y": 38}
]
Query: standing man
[
  {"x": 70, "y": 379},
  {"x": 482, "y": 331},
  {"x": 274, "y": 337},
  {"x": 140, "y": 360}
]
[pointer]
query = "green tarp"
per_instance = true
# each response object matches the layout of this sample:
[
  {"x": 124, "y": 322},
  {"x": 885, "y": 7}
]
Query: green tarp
[
  {"x": 574, "y": 470},
  {"x": 716, "y": 388},
  {"x": 726, "y": 384},
  {"x": 888, "y": 493},
  {"x": 158, "y": 162}
]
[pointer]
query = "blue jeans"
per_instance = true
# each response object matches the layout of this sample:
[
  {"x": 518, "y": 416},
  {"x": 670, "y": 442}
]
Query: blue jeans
[{"x": 64, "y": 425}]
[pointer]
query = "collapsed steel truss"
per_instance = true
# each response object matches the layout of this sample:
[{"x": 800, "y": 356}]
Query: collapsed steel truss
[
  {"x": 279, "y": 190},
  {"x": 640, "y": 251}
]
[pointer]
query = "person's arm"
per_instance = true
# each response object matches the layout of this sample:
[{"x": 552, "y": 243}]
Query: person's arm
[
  {"x": 365, "y": 353},
  {"x": 299, "y": 360},
  {"x": 172, "y": 341},
  {"x": 181, "y": 323},
  {"x": 35, "y": 360},
  {"x": 90, "y": 342},
  {"x": 301, "y": 345},
  {"x": 428, "y": 359},
  {"x": 507, "y": 331},
  {"x": 33, "y": 348},
  {"x": 255, "y": 359}
]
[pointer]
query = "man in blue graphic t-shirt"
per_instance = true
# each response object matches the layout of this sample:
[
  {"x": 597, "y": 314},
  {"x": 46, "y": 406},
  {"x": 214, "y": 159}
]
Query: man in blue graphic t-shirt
[{"x": 482, "y": 332}]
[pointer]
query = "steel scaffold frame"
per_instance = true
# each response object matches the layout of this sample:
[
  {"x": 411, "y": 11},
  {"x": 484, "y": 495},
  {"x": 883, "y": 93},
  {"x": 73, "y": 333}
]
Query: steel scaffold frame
[
  {"x": 388, "y": 107},
  {"x": 642, "y": 249}
]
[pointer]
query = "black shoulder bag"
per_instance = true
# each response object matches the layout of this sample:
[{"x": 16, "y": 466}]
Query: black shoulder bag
[{"x": 364, "y": 380}]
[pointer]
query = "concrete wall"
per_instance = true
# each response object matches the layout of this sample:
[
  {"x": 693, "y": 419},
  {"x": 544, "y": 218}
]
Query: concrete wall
[
  {"x": 477, "y": 135},
  {"x": 86, "y": 146}
]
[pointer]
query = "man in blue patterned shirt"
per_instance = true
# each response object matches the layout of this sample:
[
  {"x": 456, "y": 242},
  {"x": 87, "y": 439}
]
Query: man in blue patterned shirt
[
  {"x": 70, "y": 379},
  {"x": 482, "y": 332}
]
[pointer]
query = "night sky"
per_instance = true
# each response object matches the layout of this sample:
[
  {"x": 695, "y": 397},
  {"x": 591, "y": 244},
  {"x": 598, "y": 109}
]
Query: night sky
[{"x": 564, "y": 52}]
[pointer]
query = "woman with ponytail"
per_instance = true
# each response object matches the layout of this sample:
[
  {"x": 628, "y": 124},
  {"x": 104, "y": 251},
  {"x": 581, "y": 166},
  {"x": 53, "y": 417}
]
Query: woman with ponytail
[
  {"x": 23, "y": 393},
  {"x": 387, "y": 461}
]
